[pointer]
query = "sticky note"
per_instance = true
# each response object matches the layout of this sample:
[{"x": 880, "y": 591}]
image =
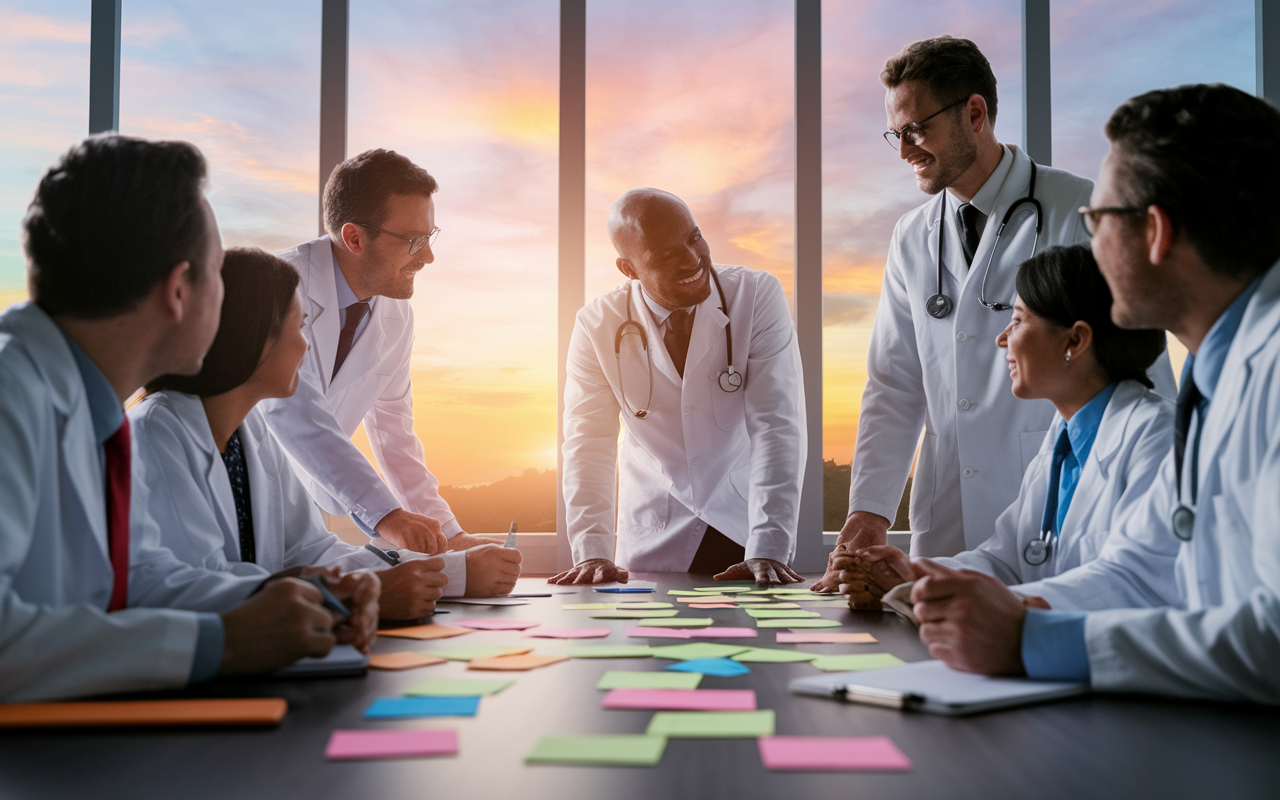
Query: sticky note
[
  {"x": 623, "y": 613},
  {"x": 424, "y": 632},
  {"x": 769, "y": 613},
  {"x": 466, "y": 652},
  {"x": 798, "y": 623},
  {"x": 457, "y": 687},
  {"x": 570, "y": 633},
  {"x": 610, "y": 651},
  {"x": 822, "y": 603},
  {"x": 848, "y": 663},
  {"x": 588, "y": 606},
  {"x": 403, "y": 660},
  {"x": 680, "y": 622},
  {"x": 411, "y": 707},
  {"x": 621, "y": 750},
  {"x": 660, "y": 633},
  {"x": 685, "y": 652},
  {"x": 712, "y": 605},
  {"x": 720, "y": 667},
  {"x": 624, "y": 589},
  {"x": 499, "y": 624},
  {"x": 681, "y": 699},
  {"x": 712, "y": 724},
  {"x": 145, "y": 713},
  {"x": 773, "y": 655},
  {"x": 845, "y": 753},
  {"x": 362, "y": 745},
  {"x": 642, "y": 606},
  {"x": 820, "y": 637},
  {"x": 715, "y": 632},
  {"x": 684, "y": 593},
  {"x": 710, "y": 598},
  {"x": 727, "y": 587},
  {"x": 516, "y": 663},
  {"x": 618, "y": 679}
]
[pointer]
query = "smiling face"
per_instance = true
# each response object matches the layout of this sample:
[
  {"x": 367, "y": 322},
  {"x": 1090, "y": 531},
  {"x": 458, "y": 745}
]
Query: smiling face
[
  {"x": 666, "y": 252},
  {"x": 1036, "y": 350},
  {"x": 947, "y": 148},
  {"x": 385, "y": 267}
]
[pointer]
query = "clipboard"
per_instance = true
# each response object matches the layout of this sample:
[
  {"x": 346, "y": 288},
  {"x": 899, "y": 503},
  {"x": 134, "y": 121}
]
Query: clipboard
[{"x": 258, "y": 711}]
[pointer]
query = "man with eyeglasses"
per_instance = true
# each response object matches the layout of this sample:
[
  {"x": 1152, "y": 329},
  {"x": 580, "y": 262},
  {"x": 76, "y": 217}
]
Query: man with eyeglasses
[
  {"x": 356, "y": 282},
  {"x": 947, "y": 293}
]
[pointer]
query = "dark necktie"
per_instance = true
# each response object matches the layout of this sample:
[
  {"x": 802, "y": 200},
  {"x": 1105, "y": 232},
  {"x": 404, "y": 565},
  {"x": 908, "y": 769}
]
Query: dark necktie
[
  {"x": 679, "y": 326},
  {"x": 970, "y": 218},
  {"x": 238, "y": 474},
  {"x": 1060, "y": 452},
  {"x": 355, "y": 315},
  {"x": 1189, "y": 399},
  {"x": 119, "y": 482}
]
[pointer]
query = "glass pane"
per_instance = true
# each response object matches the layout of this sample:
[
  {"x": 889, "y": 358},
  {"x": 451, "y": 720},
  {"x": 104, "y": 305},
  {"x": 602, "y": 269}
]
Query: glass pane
[
  {"x": 470, "y": 92},
  {"x": 44, "y": 90},
  {"x": 866, "y": 187}
]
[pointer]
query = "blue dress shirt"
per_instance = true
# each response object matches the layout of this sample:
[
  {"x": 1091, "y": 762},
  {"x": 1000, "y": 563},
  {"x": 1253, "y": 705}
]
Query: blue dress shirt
[
  {"x": 1081, "y": 430},
  {"x": 346, "y": 298}
]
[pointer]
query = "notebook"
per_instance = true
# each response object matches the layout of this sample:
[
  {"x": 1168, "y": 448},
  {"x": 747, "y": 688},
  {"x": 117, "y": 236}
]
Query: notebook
[{"x": 343, "y": 661}]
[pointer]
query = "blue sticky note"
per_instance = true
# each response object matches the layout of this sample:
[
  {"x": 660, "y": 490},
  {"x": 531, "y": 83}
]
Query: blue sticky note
[
  {"x": 409, "y": 707},
  {"x": 722, "y": 667}
]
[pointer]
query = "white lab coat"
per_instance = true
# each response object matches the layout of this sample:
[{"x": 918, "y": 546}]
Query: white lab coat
[
  {"x": 193, "y": 504},
  {"x": 315, "y": 425},
  {"x": 1218, "y": 632},
  {"x": 949, "y": 377},
  {"x": 1133, "y": 439},
  {"x": 56, "y": 638},
  {"x": 702, "y": 456}
]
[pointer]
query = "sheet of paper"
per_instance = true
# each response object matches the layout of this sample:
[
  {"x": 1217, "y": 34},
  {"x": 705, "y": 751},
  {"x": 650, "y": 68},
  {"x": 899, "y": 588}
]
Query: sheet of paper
[
  {"x": 797, "y": 623},
  {"x": 411, "y": 707},
  {"x": 569, "y": 633},
  {"x": 720, "y": 667},
  {"x": 158, "y": 713},
  {"x": 773, "y": 655},
  {"x": 769, "y": 613},
  {"x": 485, "y": 601},
  {"x": 712, "y": 605},
  {"x": 681, "y": 699},
  {"x": 588, "y": 606},
  {"x": 499, "y": 624},
  {"x": 680, "y": 622},
  {"x": 706, "y": 598},
  {"x": 622, "y": 613},
  {"x": 424, "y": 632},
  {"x": 403, "y": 660},
  {"x": 619, "y": 679},
  {"x": 844, "y": 753},
  {"x": 610, "y": 651},
  {"x": 457, "y": 687},
  {"x": 712, "y": 724},
  {"x": 850, "y": 662},
  {"x": 364, "y": 745},
  {"x": 517, "y": 663},
  {"x": 685, "y": 652},
  {"x": 619, "y": 750},
  {"x": 821, "y": 637},
  {"x": 466, "y": 652}
]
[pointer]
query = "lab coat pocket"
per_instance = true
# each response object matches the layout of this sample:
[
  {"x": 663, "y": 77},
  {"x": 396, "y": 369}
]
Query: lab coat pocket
[
  {"x": 642, "y": 507},
  {"x": 924, "y": 484},
  {"x": 730, "y": 407},
  {"x": 1029, "y": 443}
]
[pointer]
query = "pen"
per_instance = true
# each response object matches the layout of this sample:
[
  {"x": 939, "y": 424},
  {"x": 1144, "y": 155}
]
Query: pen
[
  {"x": 327, "y": 598},
  {"x": 389, "y": 556},
  {"x": 511, "y": 537}
]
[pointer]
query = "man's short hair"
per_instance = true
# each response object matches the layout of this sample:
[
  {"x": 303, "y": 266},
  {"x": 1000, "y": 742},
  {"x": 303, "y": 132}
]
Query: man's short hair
[
  {"x": 953, "y": 69},
  {"x": 1209, "y": 155},
  {"x": 110, "y": 219},
  {"x": 358, "y": 189}
]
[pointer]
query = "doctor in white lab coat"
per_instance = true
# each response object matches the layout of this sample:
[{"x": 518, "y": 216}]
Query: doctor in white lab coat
[
  {"x": 709, "y": 479},
  {"x": 1199, "y": 562},
  {"x": 944, "y": 374}
]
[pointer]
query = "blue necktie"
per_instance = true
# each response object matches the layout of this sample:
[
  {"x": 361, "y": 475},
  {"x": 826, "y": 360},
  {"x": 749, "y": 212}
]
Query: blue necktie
[{"x": 1060, "y": 452}]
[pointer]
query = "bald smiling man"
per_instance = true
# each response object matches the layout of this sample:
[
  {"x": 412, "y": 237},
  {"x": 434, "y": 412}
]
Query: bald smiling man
[{"x": 700, "y": 363}]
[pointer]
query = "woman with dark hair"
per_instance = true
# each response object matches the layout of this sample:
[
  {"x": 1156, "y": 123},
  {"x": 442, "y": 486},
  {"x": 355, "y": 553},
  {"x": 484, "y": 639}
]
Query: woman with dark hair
[
  {"x": 222, "y": 491},
  {"x": 1103, "y": 449}
]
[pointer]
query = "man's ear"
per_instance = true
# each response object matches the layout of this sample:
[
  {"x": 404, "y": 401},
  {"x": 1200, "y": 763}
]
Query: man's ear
[
  {"x": 176, "y": 291},
  {"x": 353, "y": 238},
  {"x": 1160, "y": 234},
  {"x": 977, "y": 109},
  {"x": 624, "y": 266}
]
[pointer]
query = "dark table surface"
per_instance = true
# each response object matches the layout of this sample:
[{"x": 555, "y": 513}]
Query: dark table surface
[{"x": 1098, "y": 746}]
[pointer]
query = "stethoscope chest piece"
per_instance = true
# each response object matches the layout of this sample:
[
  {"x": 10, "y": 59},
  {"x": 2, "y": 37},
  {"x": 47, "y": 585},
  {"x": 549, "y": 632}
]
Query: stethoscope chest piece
[
  {"x": 939, "y": 306},
  {"x": 1036, "y": 552},
  {"x": 1184, "y": 522},
  {"x": 730, "y": 380}
]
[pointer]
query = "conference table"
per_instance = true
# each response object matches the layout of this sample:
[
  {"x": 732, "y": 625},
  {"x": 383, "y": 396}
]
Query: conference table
[{"x": 1090, "y": 747}]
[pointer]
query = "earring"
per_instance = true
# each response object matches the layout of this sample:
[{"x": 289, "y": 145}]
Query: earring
[{"x": 1068, "y": 356}]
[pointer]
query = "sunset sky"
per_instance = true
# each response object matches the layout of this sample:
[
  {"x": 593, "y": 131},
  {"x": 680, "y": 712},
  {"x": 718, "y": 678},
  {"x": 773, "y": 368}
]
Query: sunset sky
[{"x": 692, "y": 97}]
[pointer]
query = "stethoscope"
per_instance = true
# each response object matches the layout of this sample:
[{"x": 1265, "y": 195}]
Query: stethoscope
[
  {"x": 940, "y": 305},
  {"x": 730, "y": 379},
  {"x": 1040, "y": 548}
]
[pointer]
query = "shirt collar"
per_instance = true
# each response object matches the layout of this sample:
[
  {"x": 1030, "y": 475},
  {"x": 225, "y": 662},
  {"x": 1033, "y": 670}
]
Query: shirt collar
[
  {"x": 1207, "y": 365},
  {"x": 660, "y": 313},
  {"x": 1083, "y": 426},
  {"x": 346, "y": 297},
  {"x": 985, "y": 199},
  {"x": 104, "y": 407}
]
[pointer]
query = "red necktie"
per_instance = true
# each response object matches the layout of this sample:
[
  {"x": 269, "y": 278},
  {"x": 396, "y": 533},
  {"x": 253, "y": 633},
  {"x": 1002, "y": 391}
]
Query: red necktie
[
  {"x": 355, "y": 315},
  {"x": 118, "y": 486}
]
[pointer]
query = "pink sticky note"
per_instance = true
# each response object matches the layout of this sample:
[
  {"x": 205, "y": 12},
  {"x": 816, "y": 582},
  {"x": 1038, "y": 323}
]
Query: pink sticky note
[
  {"x": 682, "y": 699},
  {"x": 822, "y": 637},
  {"x": 659, "y": 633},
  {"x": 870, "y": 753},
  {"x": 570, "y": 633},
  {"x": 712, "y": 605},
  {"x": 499, "y": 624},
  {"x": 723, "y": 633},
  {"x": 360, "y": 745}
]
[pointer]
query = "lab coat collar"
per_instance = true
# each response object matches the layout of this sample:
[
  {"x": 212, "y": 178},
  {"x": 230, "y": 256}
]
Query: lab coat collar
[
  {"x": 658, "y": 354},
  {"x": 321, "y": 292},
  {"x": 191, "y": 414},
  {"x": 660, "y": 312},
  {"x": 1016, "y": 183},
  {"x": 1112, "y": 433},
  {"x": 708, "y": 330}
]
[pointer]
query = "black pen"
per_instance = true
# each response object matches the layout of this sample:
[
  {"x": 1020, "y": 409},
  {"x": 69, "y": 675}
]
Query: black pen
[
  {"x": 389, "y": 556},
  {"x": 327, "y": 598}
]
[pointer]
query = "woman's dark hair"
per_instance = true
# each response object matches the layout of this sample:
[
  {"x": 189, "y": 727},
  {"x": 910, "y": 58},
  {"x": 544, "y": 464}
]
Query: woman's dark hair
[
  {"x": 259, "y": 291},
  {"x": 1063, "y": 285}
]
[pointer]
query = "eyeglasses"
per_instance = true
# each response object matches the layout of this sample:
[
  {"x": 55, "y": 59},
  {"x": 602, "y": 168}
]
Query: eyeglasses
[
  {"x": 1090, "y": 216},
  {"x": 416, "y": 243},
  {"x": 914, "y": 132}
]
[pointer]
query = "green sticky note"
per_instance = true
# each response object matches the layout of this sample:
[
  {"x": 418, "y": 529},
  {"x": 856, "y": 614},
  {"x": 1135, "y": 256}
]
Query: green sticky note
[
  {"x": 848, "y": 663},
  {"x": 797, "y": 623},
  {"x": 773, "y": 655},
  {"x": 588, "y": 606},
  {"x": 712, "y": 724},
  {"x": 640, "y": 606},
  {"x": 692, "y": 650},
  {"x": 622, "y": 750},
  {"x": 726, "y": 588},
  {"x": 609, "y": 651},
  {"x": 769, "y": 613},
  {"x": 679, "y": 622},
  {"x": 623, "y": 613},
  {"x": 456, "y": 687},
  {"x": 469, "y": 652},
  {"x": 780, "y": 606},
  {"x": 618, "y": 679},
  {"x": 684, "y": 592}
]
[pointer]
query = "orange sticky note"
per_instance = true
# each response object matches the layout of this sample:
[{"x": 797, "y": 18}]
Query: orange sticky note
[
  {"x": 154, "y": 713},
  {"x": 821, "y": 637},
  {"x": 712, "y": 598},
  {"x": 403, "y": 660},
  {"x": 424, "y": 632},
  {"x": 516, "y": 663}
]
